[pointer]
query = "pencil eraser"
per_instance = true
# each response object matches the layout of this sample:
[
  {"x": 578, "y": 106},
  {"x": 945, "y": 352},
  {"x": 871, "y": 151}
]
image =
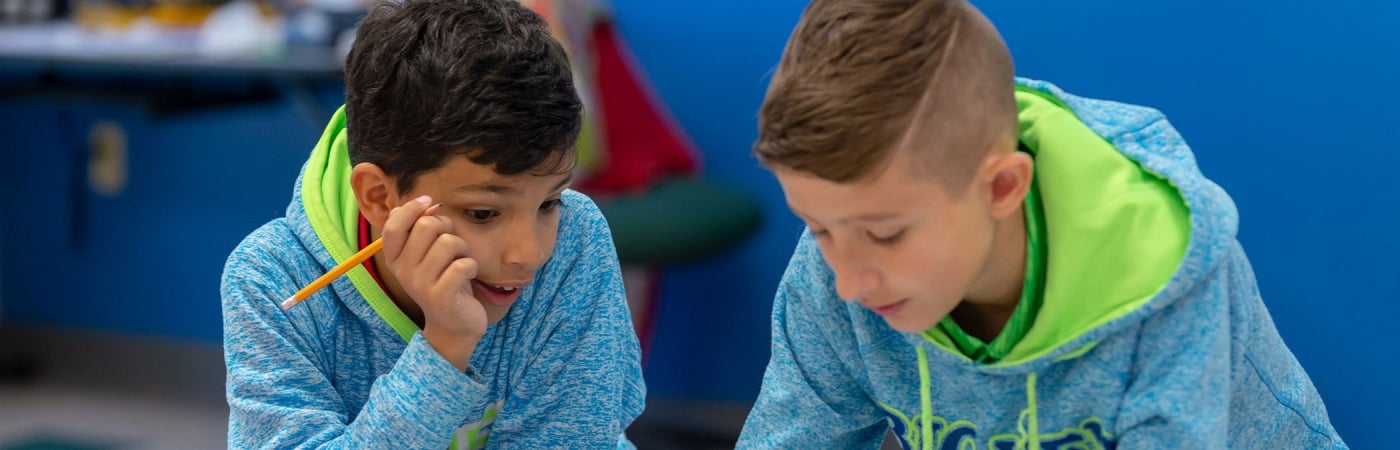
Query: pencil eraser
[{"x": 289, "y": 303}]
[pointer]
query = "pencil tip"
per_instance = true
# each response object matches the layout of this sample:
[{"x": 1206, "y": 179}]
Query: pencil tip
[{"x": 289, "y": 303}]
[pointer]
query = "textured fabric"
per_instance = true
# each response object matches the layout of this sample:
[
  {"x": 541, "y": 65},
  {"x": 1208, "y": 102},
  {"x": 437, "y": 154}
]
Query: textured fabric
[
  {"x": 1199, "y": 364},
  {"x": 560, "y": 370},
  {"x": 1108, "y": 212}
]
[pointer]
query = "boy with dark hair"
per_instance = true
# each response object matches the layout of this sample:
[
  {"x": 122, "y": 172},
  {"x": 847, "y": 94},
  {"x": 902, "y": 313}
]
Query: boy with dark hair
[{"x": 494, "y": 316}]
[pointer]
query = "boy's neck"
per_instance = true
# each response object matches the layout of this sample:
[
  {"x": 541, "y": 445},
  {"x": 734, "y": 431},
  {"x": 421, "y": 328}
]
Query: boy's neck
[{"x": 996, "y": 292}]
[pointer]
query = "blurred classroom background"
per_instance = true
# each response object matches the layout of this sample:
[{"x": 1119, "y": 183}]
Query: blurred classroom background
[{"x": 141, "y": 140}]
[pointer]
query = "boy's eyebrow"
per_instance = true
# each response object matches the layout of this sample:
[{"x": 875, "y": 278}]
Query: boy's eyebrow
[
  {"x": 501, "y": 189},
  {"x": 872, "y": 217},
  {"x": 562, "y": 183}
]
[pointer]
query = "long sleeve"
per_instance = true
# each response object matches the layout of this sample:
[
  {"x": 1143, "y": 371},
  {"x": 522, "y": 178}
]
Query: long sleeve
[
  {"x": 1212, "y": 372},
  {"x": 1179, "y": 396},
  {"x": 809, "y": 398},
  {"x": 278, "y": 392}
]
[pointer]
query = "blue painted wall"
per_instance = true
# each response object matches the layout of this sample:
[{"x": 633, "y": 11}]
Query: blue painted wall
[
  {"x": 1284, "y": 103},
  {"x": 709, "y": 62}
]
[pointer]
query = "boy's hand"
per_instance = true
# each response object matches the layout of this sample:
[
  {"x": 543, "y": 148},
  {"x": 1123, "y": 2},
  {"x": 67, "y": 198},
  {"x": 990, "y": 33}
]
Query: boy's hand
[{"x": 433, "y": 266}]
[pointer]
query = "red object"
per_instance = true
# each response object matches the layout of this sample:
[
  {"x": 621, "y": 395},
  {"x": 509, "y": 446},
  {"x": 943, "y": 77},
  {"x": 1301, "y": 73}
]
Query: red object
[
  {"x": 369, "y": 263},
  {"x": 641, "y": 142}
]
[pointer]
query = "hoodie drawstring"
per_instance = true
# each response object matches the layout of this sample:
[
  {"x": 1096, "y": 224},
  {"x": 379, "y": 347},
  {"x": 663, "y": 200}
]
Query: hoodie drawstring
[
  {"x": 1028, "y": 425},
  {"x": 925, "y": 402}
]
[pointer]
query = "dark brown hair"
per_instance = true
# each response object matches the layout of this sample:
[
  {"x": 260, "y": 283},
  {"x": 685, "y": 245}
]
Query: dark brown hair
[{"x": 429, "y": 79}]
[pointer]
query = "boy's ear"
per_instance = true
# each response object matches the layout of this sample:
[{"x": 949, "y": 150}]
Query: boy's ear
[
  {"x": 1009, "y": 176},
  {"x": 375, "y": 192}
]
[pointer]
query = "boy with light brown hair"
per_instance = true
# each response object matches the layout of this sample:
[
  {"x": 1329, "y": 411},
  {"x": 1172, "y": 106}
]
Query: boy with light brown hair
[{"x": 993, "y": 262}]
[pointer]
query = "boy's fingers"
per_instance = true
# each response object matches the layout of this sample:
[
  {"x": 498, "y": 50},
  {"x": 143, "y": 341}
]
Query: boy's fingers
[
  {"x": 460, "y": 272},
  {"x": 445, "y": 249},
  {"x": 400, "y": 221},
  {"x": 421, "y": 237}
]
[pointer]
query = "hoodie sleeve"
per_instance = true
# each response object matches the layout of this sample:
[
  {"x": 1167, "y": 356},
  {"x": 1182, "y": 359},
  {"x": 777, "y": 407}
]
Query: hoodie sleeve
[
  {"x": 1179, "y": 395},
  {"x": 1212, "y": 372},
  {"x": 581, "y": 385},
  {"x": 278, "y": 393},
  {"x": 809, "y": 398}
]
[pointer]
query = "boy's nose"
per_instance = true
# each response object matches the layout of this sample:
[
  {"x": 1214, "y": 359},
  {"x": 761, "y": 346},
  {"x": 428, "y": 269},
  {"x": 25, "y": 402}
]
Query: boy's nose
[
  {"x": 853, "y": 281},
  {"x": 524, "y": 253}
]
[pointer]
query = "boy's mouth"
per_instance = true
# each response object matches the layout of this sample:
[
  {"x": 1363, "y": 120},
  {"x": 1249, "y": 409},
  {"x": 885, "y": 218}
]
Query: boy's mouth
[
  {"x": 888, "y": 309},
  {"x": 501, "y": 289},
  {"x": 502, "y": 295}
]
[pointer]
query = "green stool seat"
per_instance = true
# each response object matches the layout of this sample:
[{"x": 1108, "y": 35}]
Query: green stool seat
[{"x": 679, "y": 220}]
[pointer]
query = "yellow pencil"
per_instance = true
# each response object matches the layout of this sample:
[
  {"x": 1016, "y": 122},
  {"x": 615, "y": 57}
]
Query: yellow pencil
[{"x": 355, "y": 260}]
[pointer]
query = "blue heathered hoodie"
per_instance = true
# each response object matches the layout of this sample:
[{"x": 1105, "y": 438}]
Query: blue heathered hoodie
[
  {"x": 347, "y": 369},
  {"x": 1151, "y": 332}
]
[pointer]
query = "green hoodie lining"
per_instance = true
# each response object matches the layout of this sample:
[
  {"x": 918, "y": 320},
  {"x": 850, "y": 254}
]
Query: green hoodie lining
[
  {"x": 334, "y": 214},
  {"x": 1118, "y": 231}
]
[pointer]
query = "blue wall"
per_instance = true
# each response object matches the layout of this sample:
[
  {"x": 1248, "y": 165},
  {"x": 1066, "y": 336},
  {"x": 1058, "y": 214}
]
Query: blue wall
[
  {"x": 1282, "y": 102},
  {"x": 709, "y": 62}
]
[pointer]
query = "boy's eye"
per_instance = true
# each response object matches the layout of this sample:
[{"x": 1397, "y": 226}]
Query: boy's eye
[
  {"x": 887, "y": 240},
  {"x": 551, "y": 205},
  {"x": 481, "y": 215}
]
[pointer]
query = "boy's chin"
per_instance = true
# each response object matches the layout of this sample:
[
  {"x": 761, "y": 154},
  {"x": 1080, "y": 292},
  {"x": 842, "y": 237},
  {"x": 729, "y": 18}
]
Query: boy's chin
[
  {"x": 910, "y": 324},
  {"x": 494, "y": 313}
]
